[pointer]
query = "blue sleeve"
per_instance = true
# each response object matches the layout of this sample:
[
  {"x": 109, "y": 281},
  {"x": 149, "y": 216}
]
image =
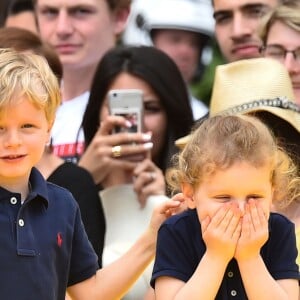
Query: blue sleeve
[
  {"x": 281, "y": 252},
  {"x": 84, "y": 261},
  {"x": 179, "y": 250}
]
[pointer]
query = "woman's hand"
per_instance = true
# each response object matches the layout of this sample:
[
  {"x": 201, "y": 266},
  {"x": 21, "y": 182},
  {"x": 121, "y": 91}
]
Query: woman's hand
[
  {"x": 148, "y": 180},
  {"x": 165, "y": 210},
  {"x": 102, "y": 157}
]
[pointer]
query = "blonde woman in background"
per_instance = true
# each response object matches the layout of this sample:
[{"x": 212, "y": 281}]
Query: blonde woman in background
[{"x": 281, "y": 39}]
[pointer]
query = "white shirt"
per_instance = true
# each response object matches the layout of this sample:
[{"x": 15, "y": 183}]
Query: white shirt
[{"x": 67, "y": 134}]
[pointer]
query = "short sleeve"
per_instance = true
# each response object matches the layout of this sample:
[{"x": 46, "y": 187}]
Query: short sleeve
[
  {"x": 179, "y": 249},
  {"x": 84, "y": 261},
  {"x": 281, "y": 254}
]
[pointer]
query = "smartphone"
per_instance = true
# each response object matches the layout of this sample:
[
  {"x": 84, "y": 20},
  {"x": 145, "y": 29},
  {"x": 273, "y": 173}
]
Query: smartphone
[{"x": 129, "y": 104}]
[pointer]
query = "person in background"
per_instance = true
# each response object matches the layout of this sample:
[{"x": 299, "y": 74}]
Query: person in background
[
  {"x": 167, "y": 111},
  {"x": 180, "y": 28},
  {"x": 68, "y": 175},
  {"x": 21, "y": 14},
  {"x": 45, "y": 238},
  {"x": 237, "y": 26},
  {"x": 228, "y": 244},
  {"x": 281, "y": 40},
  {"x": 81, "y": 31},
  {"x": 129, "y": 167}
]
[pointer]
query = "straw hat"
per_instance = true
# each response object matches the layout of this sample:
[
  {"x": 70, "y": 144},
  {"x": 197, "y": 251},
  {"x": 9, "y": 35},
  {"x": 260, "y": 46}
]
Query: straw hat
[{"x": 253, "y": 86}]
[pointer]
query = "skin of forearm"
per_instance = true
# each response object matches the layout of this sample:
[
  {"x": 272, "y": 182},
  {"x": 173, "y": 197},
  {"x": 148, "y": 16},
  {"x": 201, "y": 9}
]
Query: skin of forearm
[
  {"x": 117, "y": 278},
  {"x": 114, "y": 280},
  {"x": 206, "y": 281},
  {"x": 258, "y": 282}
]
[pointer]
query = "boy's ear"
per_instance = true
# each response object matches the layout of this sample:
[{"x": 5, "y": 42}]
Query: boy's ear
[
  {"x": 120, "y": 20},
  {"x": 188, "y": 193},
  {"x": 50, "y": 125}
]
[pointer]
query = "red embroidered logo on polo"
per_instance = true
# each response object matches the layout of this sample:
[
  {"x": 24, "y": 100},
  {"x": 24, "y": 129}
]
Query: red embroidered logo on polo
[{"x": 59, "y": 239}]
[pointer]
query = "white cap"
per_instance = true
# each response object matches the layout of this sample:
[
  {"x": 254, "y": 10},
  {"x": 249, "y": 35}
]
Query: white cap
[{"x": 190, "y": 15}]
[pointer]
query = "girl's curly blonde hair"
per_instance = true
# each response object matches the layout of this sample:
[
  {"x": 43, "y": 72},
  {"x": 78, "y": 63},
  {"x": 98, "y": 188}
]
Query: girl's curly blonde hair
[{"x": 221, "y": 141}]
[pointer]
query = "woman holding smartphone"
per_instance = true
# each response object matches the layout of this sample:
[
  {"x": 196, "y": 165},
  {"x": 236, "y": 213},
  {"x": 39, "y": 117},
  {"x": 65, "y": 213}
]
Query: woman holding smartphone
[
  {"x": 129, "y": 167},
  {"x": 167, "y": 116}
]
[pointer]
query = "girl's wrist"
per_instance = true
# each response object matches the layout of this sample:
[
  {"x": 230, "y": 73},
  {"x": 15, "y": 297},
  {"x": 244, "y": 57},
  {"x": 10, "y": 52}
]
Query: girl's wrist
[{"x": 248, "y": 259}]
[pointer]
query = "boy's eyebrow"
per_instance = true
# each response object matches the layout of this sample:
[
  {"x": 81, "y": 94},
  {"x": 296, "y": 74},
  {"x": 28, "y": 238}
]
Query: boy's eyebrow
[
  {"x": 219, "y": 13},
  {"x": 261, "y": 6},
  {"x": 68, "y": 8},
  {"x": 243, "y": 9}
]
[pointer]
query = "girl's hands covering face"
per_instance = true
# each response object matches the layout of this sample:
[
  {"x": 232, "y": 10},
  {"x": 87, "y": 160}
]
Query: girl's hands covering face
[
  {"x": 240, "y": 235},
  {"x": 222, "y": 231},
  {"x": 254, "y": 233}
]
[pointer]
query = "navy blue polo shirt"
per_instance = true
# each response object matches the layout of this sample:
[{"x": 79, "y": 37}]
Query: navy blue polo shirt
[
  {"x": 43, "y": 244},
  {"x": 180, "y": 248}
]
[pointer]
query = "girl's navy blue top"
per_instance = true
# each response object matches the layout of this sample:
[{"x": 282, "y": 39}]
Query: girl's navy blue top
[{"x": 180, "y": 247}]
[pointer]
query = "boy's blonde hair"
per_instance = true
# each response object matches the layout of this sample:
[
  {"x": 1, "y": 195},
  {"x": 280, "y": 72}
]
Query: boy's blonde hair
[
  {"x": 221, "y": 141},
  {"x": 29, "y": 75}
]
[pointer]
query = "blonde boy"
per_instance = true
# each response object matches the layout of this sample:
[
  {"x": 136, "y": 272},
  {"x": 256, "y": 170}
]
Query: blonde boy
[{"x": 44, "y": 248}]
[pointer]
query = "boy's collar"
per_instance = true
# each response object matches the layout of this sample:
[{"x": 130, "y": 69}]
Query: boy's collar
[
  {"x": 38, "y": 189},
  {"x": 38, "y": 186}
]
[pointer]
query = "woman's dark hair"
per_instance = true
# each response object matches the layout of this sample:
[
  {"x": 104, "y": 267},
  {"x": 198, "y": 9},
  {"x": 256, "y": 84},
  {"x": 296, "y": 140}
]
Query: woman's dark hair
[{"x": 160, "y": 72}]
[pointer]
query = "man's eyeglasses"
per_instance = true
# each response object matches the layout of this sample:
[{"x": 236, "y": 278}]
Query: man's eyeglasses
[{"x": 279, "y": 52}]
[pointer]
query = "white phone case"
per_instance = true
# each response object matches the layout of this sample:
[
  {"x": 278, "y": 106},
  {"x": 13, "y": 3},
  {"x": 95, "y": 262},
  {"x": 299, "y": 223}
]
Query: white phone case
[{"x": 129, "y": 104}]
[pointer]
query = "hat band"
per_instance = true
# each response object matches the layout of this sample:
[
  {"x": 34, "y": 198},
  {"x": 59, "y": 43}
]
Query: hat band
[{"x": 280, "y": 102}]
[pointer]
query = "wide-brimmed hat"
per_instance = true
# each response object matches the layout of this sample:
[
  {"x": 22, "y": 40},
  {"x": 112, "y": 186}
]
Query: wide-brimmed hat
[{"x": 253, "y": 86}]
